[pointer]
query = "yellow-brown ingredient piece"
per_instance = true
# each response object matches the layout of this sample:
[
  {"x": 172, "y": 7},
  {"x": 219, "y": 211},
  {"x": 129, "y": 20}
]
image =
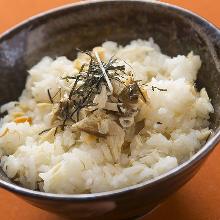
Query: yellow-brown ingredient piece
[
  {"x": 100, "y": 51},
  {"x": 24, "y": 107},
  {"x": 77, "y": 64},
  {"x": 144, "y": 93},
  {"x": 90, "y": 138},
  {"x": 17, "y": 114},
  {"x": 4, "y": 132}
]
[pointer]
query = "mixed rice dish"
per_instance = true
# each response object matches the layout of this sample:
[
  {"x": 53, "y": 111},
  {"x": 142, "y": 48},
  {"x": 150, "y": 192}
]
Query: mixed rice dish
[{"x": 113, "y": 117}]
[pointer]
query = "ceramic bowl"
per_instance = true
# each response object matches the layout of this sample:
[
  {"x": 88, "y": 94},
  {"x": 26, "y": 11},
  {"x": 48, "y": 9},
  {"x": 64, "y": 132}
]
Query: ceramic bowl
[{"x": 85, "y": 25}]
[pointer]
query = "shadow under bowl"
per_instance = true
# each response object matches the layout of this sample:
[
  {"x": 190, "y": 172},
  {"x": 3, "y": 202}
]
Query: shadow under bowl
[{"x": 88, "y": 24}]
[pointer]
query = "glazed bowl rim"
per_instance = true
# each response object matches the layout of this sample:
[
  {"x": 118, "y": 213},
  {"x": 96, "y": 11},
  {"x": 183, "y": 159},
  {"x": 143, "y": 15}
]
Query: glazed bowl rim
[{"x": 184, "y": 166}]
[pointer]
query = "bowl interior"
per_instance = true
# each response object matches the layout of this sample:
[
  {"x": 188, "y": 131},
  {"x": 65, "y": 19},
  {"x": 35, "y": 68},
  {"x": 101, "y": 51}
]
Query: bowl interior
[{"x": 88, "y": 25}]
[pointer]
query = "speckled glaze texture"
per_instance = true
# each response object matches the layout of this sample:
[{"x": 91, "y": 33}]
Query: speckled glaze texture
[{"x": 84, "y": 26}]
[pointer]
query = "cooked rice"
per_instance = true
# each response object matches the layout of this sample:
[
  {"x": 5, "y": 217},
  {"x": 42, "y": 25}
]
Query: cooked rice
[{"x": 74, "y": 161}]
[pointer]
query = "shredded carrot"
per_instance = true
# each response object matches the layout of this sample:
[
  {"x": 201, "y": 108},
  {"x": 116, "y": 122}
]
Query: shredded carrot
[{"x": 23, "y": 119}]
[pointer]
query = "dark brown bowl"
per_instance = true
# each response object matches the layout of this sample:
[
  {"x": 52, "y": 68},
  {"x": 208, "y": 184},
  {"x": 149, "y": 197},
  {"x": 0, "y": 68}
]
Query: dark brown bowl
[{"x": 84, "y": 26}]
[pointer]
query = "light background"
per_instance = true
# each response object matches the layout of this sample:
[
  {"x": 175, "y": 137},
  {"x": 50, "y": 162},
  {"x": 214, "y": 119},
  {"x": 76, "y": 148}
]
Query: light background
[{"x": 197, "y": 200}]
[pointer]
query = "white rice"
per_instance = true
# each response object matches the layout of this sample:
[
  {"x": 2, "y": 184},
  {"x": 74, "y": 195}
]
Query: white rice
[{"x": 176, "y": 126}]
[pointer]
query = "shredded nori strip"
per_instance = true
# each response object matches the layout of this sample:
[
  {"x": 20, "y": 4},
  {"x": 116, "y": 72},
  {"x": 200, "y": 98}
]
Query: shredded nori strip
[
  {"x": 44, "y": 131},
  {"x": 88, "y": 83},
  {"x": 155, "y": 87},
  {"x": 50, "y": 97},
  {"x": 91, "y": 81}
]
